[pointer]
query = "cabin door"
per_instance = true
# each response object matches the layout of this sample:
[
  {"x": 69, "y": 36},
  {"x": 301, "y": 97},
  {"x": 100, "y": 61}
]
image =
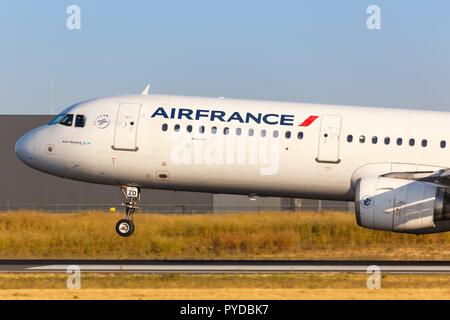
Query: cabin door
[
  {"x": 125, "y": 134},
  {"x": 330, "y": 131}
]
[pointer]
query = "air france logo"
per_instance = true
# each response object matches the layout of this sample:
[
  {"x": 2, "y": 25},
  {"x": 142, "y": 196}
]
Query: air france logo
[
  {"x": 222, "y": 116},
  {"x": 367, "y": 202},
  {"x": 102, "y": 121}
]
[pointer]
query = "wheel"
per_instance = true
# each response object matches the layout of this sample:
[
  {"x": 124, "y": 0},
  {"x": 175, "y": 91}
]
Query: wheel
[{"x": 125, "y": 228}]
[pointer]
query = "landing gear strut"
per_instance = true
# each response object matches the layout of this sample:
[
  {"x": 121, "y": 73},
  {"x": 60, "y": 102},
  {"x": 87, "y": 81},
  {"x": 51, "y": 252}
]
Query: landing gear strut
[{"x": 125, "y": 227}]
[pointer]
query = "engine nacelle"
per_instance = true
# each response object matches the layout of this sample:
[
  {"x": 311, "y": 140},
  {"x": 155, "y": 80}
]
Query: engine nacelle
[{"x": 402, "y": 205}]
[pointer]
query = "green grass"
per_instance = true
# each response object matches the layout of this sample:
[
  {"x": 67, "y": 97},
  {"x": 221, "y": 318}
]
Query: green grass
[{"x": 270, "y": 235}]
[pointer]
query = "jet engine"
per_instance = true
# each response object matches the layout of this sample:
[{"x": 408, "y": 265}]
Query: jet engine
[{"x": 399, "y": 205}]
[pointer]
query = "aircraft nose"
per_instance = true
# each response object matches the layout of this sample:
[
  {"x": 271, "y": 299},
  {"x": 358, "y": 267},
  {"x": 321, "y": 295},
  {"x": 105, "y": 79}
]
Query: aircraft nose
[{"x": 25, "y": 148}]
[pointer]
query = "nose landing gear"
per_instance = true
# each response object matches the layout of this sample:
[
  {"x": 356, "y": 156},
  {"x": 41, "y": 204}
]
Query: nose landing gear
[{"x": 125, "y": 227}]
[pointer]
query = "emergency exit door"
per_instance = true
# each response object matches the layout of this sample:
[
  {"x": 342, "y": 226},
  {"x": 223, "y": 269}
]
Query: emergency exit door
[
  {"x": 330, "y": 131},
  {"x": 125, "y": 135}
]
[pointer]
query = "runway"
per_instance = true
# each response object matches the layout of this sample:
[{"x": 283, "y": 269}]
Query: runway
[{"x": 221, "y": 266}]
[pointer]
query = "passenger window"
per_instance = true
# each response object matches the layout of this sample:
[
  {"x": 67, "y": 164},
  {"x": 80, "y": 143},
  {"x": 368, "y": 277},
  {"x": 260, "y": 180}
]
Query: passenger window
[
  {"x": 399, "y": 141},
  {"x": 362, "y": 139},
  {"x": 287, "y": 134},
  {"x": 201, "y": 129},
  {"x": 300, "y": 135},
  {"x": 238, "y": 131},
  {"x": 226, "y": 131},
  {"x": 80, "y": 121},
  {"x": 251, "y": 132},
  {"x": 263, "y": 133},
  {"x": 276, "y": 134},
  {"x": 374, "y": 140},
  {"x": 387, "y": 140},
  {"x": 177, "y": 128},
  {"x": 189, "y": 128},
  {"x": 443, "y": 144},
  {"x": 412, "y": 142},
  {"x": 164, "y": 127},
  {"x": 349, "y": 138},
  {"x": 67, "y": 120},
  {"x": 424, "y": 143}
]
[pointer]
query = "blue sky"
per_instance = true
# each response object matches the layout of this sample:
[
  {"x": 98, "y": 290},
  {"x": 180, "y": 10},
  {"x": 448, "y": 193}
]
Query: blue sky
[{"x": 310, "y": 51}]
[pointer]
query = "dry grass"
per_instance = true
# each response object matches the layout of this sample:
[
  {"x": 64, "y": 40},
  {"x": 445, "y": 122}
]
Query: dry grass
[
  {"x": 225, "y": 294},
  {"x": 223, "y": 281},
  {"x": 277, "y": 286},
  {"x": 271, "y": 235}
]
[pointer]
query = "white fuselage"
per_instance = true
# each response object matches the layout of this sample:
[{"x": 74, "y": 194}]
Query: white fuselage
[{"x": 135, "y": 141}]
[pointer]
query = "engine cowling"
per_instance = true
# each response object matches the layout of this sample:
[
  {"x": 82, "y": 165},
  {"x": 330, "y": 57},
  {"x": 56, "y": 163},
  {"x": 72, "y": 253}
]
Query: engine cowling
[{"x": 402, "y": 205}]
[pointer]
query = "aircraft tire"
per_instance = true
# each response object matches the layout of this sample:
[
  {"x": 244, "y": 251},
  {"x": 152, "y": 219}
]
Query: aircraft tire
[{"x": 125, "y": 228}]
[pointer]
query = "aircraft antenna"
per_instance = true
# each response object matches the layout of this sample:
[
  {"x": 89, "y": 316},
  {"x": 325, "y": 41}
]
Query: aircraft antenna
[{"x": 146, "y": 90}]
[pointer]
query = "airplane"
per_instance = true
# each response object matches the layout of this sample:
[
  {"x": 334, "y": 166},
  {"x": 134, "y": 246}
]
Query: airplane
[{"x": 393, "y": 163}]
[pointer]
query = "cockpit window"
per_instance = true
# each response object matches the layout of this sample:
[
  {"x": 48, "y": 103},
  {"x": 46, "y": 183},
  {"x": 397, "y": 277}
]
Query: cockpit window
[
  {"x": 67, "y": 120},
  {"x": 80, "y": 121},
  {"x": 56, "y": 119},
  {"x": 60, "y": 116}
]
